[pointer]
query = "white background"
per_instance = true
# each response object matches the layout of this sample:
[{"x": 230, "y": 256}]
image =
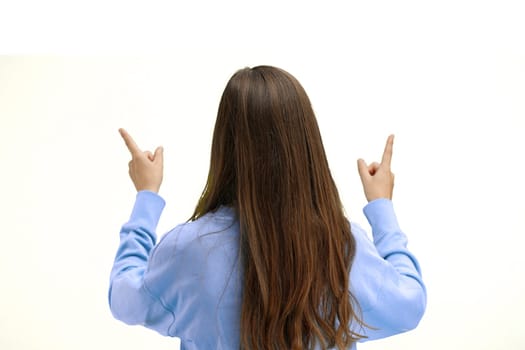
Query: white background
[{"x": 447, "y": 78}]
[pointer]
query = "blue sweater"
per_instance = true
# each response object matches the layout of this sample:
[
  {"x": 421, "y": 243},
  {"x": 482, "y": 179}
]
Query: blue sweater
[{"x": 189, "y": 286}]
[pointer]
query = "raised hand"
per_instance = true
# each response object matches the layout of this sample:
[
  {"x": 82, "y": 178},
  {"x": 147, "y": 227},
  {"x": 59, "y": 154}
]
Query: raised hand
[
  {"x": 377, "y": 178},
  {"x": 145, "y": 168}
]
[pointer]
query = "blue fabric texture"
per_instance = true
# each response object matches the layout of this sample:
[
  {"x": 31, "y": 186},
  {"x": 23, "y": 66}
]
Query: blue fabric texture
[{"x": 188, "y": 285}]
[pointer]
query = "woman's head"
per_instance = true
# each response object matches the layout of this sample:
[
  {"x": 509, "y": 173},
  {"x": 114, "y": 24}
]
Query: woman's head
[
  {"x": 268, "y": 161},
  {"x": 265, "y": 134}
]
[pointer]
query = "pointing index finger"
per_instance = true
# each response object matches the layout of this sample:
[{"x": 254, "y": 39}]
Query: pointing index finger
[
  {"x": 130, "y": 143},
  {"x": 387, "y": 154}
]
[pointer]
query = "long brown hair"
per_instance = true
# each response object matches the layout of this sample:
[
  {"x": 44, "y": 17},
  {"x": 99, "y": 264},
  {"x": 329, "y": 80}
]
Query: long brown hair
[{"x": 296, "y": 248}]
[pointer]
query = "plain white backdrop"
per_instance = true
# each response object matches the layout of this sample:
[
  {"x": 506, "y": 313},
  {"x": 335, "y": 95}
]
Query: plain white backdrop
[{"x": 447, "y": 78}]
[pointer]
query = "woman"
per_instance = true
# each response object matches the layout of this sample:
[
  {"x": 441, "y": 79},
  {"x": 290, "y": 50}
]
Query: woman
[{"x": 268, "y": 259}]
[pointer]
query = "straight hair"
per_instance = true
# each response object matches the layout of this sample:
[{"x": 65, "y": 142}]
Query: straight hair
[{"x": 296, "y": 247}]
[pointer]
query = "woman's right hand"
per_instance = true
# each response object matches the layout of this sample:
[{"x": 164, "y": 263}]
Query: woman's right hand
[
  {"x": 377, "y": 178},
  {"x": 145, "y": 168}
]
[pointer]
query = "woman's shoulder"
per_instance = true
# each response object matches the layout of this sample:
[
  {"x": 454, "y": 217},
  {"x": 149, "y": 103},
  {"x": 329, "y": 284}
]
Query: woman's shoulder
[
  {"x": 359, "y": 233},
  {"x": 209, "y": 226}
]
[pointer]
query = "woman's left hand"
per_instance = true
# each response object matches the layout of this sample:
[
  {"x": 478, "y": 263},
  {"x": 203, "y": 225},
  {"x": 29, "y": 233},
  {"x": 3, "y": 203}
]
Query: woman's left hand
[{"x": 145, "y": 168}]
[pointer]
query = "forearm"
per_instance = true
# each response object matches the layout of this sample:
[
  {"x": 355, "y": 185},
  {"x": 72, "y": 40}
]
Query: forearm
[
  {"x": 137, "y": 236},
  {"x": 389, "y": 240},
  {"x": 400, "y": 292}
]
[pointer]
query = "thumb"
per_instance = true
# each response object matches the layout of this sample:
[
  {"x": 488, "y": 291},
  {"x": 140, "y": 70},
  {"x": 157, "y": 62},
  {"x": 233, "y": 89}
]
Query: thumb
[
  {"x": 362, "y": 167},
  {"x": 159, "y": 155}
]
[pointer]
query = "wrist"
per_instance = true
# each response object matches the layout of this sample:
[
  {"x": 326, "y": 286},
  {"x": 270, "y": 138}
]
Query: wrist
[
  {"x": 154, "y": 189},
  {"x": 371, "y": 198}
]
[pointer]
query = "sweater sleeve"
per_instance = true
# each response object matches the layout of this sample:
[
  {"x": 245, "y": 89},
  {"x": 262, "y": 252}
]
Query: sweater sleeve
[
  {"x": 386, "y": 277},
  {"x": 129, "y": 298}
]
